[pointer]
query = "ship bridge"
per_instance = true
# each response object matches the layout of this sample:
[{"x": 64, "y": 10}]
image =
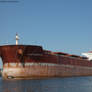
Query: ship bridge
[{"x": 88, "y": 55}]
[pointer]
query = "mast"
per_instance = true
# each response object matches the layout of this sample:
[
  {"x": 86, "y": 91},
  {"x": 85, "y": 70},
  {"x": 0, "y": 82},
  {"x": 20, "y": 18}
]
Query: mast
[{"x": 17, "y": 38}]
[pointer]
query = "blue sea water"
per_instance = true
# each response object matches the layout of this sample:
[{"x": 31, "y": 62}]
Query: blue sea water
[{"x": 74, "y": 84}]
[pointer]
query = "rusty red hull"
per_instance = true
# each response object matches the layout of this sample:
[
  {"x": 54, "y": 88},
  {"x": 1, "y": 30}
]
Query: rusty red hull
[
  {"x": 41, "y": 71},
  {"x": 27, "y": 61}
]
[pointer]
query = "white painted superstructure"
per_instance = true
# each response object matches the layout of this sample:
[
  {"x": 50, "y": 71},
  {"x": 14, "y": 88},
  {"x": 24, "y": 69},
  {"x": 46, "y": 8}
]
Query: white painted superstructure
[{"x": 88, "y": 55}]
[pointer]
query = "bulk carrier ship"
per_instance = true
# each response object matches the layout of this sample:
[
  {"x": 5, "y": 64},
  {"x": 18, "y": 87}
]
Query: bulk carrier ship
[{"x": 29, "y": 61}]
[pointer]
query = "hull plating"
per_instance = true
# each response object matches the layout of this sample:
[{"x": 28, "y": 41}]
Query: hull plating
[
  {"x": 39, "y": 70},
  {"x": 27, "y": 61}
]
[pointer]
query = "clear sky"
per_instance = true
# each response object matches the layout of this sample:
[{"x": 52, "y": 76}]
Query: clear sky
[{"x": 57, "y": 25}]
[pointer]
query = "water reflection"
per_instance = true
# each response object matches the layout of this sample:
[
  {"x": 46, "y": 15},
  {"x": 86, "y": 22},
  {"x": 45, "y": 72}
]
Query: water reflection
[{"x": 77, "y": 84}]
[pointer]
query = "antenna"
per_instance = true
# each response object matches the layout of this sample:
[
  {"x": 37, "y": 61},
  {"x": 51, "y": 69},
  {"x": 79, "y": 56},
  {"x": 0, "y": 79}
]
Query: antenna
[{"x": 17, "y": 38}]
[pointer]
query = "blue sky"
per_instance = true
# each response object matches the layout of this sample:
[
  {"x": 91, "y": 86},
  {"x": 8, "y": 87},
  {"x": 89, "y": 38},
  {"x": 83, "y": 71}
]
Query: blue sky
[{"x": 57, "y": 25}]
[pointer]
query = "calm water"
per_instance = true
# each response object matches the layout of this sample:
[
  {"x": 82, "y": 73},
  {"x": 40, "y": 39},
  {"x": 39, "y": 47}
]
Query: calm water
[{"x": 74, "y": 84}]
